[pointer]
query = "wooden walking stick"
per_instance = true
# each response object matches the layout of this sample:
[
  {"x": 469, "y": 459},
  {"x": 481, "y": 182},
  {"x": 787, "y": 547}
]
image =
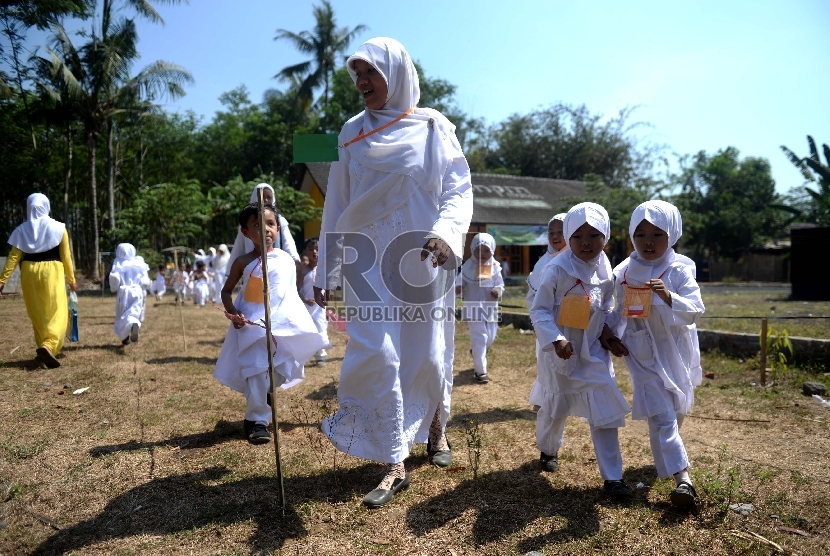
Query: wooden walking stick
[{"x": 266, "y": 290}]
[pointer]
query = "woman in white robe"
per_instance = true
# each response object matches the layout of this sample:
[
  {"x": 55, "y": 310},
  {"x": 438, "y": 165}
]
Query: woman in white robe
[
  {"x": 663, "y": 355},
  {"x": 129, "y": 280},
  {"x": 556, "y": 244},
  {"x": 243, "y": 245},
  {"x": 481, "y": 284},
  {"x": 401, "y": 176}
]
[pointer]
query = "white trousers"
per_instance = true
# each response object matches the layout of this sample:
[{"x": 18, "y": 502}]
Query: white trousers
[
  {"x": 482, "y": 336},
  {"x": 256, "y": 393},
  {"x": 666, "y": 445},
  {"x": 550, "y": 435}
]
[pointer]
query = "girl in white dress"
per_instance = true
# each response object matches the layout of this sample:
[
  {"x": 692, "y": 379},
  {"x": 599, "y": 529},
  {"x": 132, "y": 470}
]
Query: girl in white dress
[
  {"x": 221, "y": 267},
  {"x": 658, "y": 304},
  {"x": 401, "y": 175},
  {"x": 200, "y": 280},
  {"x": 574, "y": 297},
  {"x": 305, "y": 285},
  {"x": 128, "y": 279},
  {"x": 480, "y": 284},
  {"x": 160, "y": 283}
]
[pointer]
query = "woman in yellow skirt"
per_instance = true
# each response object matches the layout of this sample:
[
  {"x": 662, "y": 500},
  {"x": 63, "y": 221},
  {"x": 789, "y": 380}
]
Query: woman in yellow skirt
[{"x": 41, "y": 246}]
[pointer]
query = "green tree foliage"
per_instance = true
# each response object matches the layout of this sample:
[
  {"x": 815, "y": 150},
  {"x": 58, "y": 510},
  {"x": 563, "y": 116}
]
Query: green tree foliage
[
  {"x": 567, "y": 142},
  {"x": 726, "y": 203},
  {"x": 808, "y": 204},
  {"x": 325, "y": 43}
]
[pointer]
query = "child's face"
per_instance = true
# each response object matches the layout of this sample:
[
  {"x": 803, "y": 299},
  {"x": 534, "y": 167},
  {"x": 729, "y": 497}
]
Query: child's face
[
  {"x": 272, "y": 229},
  {"x": 310, "y": 252},
  {"x": 370, "y": 84},
  {"x": 587, "y": 242},
  {"x": 556, "y": 235},
  {"x": 482, "y": 252},
  {"x": 267, "y": 196},
  {"x": 650, "y": 241}
]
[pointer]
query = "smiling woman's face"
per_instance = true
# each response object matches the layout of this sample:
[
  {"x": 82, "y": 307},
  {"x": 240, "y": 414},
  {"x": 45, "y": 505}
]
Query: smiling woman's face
[{"x": 370, "y": 84}]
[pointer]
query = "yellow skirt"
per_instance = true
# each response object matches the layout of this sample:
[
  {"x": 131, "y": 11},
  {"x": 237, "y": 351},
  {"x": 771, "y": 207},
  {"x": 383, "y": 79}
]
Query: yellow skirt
[{"x": 44, "y": 291}]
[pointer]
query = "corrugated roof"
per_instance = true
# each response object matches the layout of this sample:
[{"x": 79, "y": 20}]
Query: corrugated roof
[
  {"x": 504, "y": 199},
  {"x": 500, "y": 198}
]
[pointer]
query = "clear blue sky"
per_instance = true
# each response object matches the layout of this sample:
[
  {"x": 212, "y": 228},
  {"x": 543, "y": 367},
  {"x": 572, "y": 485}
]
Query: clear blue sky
[{"x": 707, "y": 74}]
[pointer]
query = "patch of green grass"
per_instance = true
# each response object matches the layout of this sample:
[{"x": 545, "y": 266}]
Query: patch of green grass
[{"x": 16, "y": 451}]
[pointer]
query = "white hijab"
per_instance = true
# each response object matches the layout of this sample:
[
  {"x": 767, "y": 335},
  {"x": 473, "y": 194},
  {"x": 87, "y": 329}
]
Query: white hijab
[
  {"x": 39, "y": 233},
  {"x": 222, "y": 258},
  {"x": 597, "y": 217},
  {"x": 469, "y": 270},
  {"x": 124, "y": 253},
  {"x": 666, "y": 217},
  {"x": 420, "y": 146},
  {"x": 561, "y": 217}
]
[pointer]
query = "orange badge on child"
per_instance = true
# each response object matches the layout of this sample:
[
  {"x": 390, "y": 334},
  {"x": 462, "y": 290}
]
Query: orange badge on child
[
  {"x": 575, "y": 311},
  {"x": 636, "y": 302},
  {"x": 255, "y": 288}
]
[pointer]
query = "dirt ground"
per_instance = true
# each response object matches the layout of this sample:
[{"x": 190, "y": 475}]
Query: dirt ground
[{"x": 151, "y": 459}]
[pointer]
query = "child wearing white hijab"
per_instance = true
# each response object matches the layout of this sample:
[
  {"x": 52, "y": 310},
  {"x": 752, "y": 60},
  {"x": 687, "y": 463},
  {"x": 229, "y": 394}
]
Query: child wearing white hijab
[
  {"x": 243, "y": 245},
  {"x": 401, "y": 175},
  {"x": 481, "y": 285},
  {"x": 573, "y": 299},
  {"x": 659, "y": 342},
  {"x": 129, "y": 280},
  {"x": 556, "y": 244},
  {"x": 201, "y": 279},
  {"x": 41, "y": 246},
  {"x": 221, "y": 266},
  {"x": 159, "y": 287}
]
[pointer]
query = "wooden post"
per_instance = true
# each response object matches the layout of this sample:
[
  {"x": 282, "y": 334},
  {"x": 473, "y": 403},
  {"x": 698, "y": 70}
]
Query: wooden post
[
  {"x": 764, "y": 351},
  {"x": 271, "y": 378},
  {"x": 180, "y": 296}
]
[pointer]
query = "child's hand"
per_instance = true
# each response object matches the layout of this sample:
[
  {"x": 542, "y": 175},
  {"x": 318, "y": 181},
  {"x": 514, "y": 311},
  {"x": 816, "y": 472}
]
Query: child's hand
[
  {"x": 563, "y": 348},
  {"x": 238, "y": 319},
  {"x": 494, "y": 293},
  {"x": 658, "y": 287},
  {"x": 308, "y": 301},
  {"x": 611, "y": 343}
]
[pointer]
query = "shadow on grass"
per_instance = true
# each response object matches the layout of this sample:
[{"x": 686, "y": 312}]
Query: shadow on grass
[
  {"x": 24, "y": 364},
  {"x": 182, "y": 503},
  {"x": 117, "y": 348},
  {"x": 182, "y": 359},
  {"x": 495, "y": 415},
  {"x": 223, "y": 431},
  {"x": 324, "y": 393},
  {"x": 507, "y": 502}
]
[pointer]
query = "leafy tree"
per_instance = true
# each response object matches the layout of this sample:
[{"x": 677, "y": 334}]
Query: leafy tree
[
  {"x": 726, "y": 203},
  {"x": 567, "y": 142},
  {"x": 97, "y": 80},
  {"x": 324, "y": 44},
  {"x": 807, "y": 204}
]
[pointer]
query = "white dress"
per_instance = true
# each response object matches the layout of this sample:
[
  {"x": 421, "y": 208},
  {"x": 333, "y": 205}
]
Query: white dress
[
  {"x": 244, "y": 352},
  {"x": 159, "y": 285},
  {"x": 129, "y": 280},
  {"x": 533, "y": 279},
  {"x": 201, "y": 288},
  {"x": 480, "y": 310},
  {"x": 664, "y": 355},
  {"x": 583, "y": 385},
  {"x": 392, "y": 377},
  {"x": 318, "y": 314}
]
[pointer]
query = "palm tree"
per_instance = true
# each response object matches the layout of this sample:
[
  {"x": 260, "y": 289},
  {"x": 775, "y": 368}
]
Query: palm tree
[
  {"x": 324, "y": 43},
  {"x": 96, "y": 79},
  {"x": 815, "y": 173}
]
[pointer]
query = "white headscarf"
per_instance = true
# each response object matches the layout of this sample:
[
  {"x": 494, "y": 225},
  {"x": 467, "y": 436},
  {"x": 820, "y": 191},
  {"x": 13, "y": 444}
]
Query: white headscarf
[
  {"x": 666, "y": 217},
  {"x": 255, "y": 195},
  {"x": 124, "y": 253},
  {"x": 39, "y": 233},
  {"x": 597, "y": 217},
  {"x": 222, "y": 258},
  {"x": 469, "y": 270},
  {"x": 561, "y": 217},
  {"x": 421, "y": 145}
]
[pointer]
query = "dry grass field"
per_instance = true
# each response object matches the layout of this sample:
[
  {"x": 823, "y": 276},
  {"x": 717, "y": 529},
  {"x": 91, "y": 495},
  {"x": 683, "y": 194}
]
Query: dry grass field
[{"x": 151, "y": 459}]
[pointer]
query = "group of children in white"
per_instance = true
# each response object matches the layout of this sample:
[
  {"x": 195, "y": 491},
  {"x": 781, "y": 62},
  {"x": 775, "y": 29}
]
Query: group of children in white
[
  {"x": 396, "y": 377},
  {"x": 652, "y": 325}
]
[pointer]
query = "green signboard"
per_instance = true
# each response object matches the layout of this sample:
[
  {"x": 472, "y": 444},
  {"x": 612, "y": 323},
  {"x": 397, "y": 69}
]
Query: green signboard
[{"x": 320, "y": 147}]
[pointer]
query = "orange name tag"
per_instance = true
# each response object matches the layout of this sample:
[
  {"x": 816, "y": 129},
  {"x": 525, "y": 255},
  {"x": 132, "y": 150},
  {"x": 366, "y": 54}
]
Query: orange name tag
[
  {"x": 575, "y": 311},
  {"x": 636, "y": 302},
  {"x": 254, "y": 290},
  {"x": 485, "y": 272}
]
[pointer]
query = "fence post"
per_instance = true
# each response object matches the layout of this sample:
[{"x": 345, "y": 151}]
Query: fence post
[{"x": 764, "y": 351}]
